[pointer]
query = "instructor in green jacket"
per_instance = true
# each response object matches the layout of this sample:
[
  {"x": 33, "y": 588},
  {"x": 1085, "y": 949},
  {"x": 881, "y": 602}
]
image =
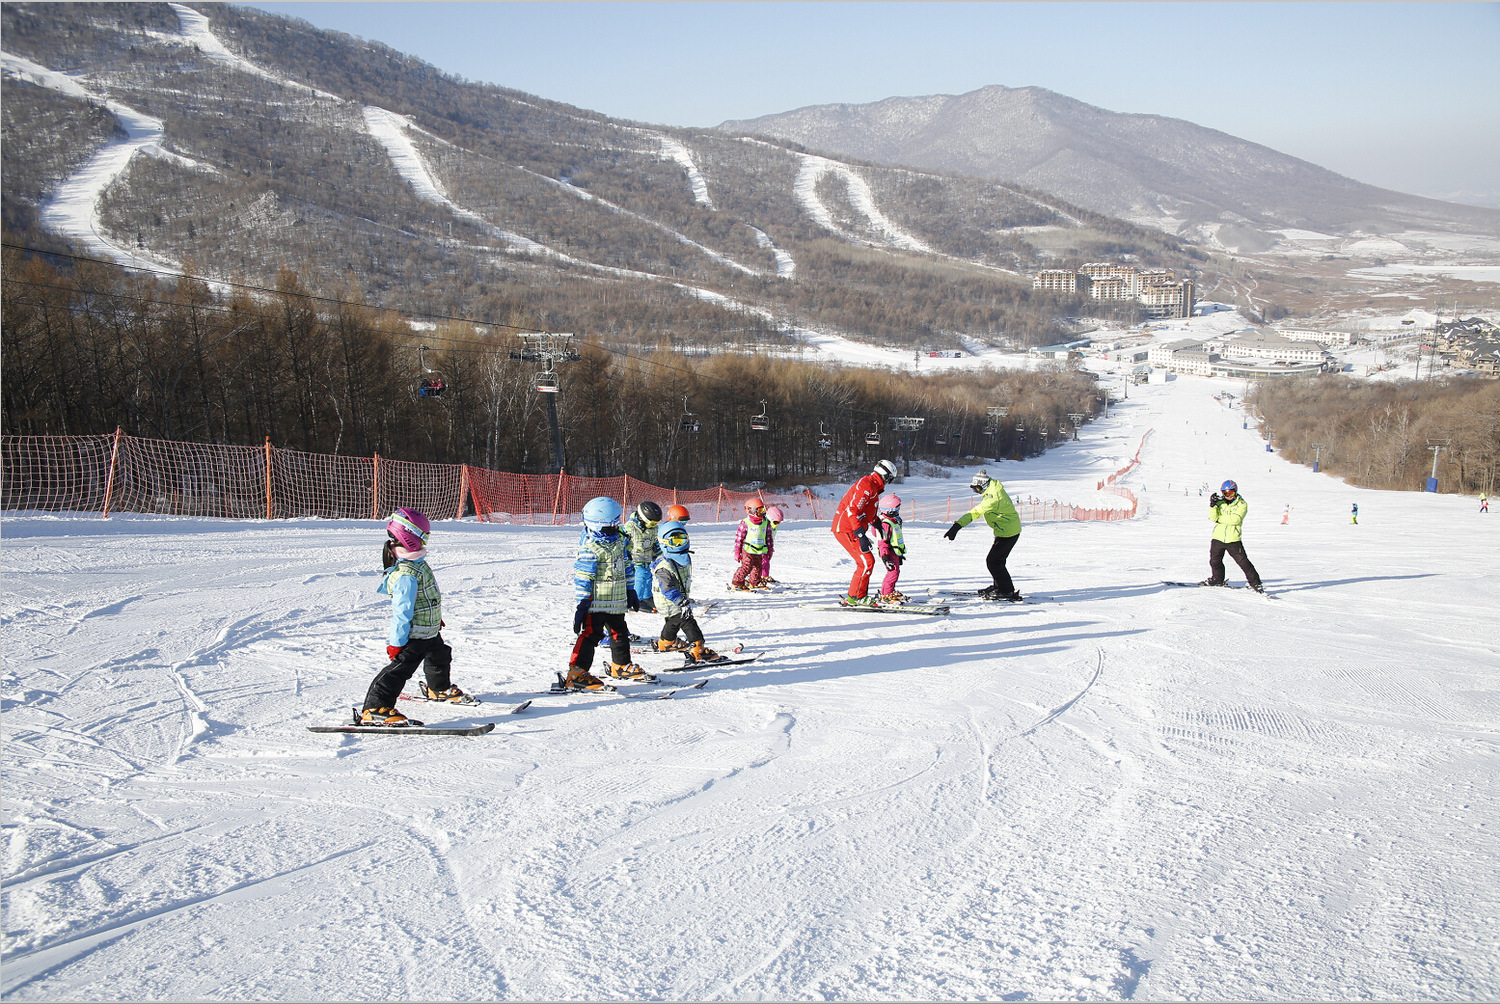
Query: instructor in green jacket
[
  {"x": 1228, "y": 510},
  {"x": 1000, "y": 513}
]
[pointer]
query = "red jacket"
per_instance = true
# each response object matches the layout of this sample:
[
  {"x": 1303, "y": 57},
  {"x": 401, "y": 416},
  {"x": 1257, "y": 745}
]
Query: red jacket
[{"x": 857, "y": 509}]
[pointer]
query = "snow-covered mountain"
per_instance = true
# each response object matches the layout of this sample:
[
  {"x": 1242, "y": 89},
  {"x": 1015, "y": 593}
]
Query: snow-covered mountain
[
  {"x": 1183, "y": 178},
  {"x": 162, "y": 134}
]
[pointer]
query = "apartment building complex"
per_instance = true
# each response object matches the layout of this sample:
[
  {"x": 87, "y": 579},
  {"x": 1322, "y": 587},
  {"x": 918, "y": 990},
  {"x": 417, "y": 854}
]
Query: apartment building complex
[{"x": 1156, "y": 289}]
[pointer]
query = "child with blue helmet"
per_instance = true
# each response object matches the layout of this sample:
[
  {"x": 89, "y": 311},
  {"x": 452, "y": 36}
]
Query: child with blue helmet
[
  {"x": 672, "y": 580},
  {"x": 603, "y": 589}
]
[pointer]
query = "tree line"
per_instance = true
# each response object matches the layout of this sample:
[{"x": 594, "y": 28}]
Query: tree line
[
  {"x": 90, "y": 347},
  {"x": 1376, "y": 435}
]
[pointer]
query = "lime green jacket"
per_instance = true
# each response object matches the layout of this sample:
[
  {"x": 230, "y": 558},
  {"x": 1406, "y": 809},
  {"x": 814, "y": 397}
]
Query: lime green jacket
[
  {"x": 1228, "y": 518},
  {"x": 997, "y": 509}
]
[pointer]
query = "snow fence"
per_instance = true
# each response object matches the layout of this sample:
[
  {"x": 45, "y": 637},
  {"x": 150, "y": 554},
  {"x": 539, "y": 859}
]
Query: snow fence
[{"x": 121, "y": 473}]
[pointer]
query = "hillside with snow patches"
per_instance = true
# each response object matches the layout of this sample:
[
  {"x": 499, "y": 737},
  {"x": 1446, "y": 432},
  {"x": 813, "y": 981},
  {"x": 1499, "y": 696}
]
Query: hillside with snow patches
[
  {"x": 245, "y": 142},
  {"x": 1121, "y": 790}
]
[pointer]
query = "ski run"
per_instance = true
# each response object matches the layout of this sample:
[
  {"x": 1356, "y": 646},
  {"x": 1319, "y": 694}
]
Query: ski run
[{"x": 1128, "y": 791}]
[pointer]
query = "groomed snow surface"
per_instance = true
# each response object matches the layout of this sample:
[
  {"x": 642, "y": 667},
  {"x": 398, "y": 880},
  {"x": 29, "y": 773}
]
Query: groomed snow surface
[{"x": 1124, "y": 790}]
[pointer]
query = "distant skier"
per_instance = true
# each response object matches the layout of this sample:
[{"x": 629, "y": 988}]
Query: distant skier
[
  {"x": 415, "y": 636},
  {"x": 892, "y": 547},
  {"x": 774, "y": 516},
  {"x": 750, "y": 545},
  {"x": 1000, "y": 513},
  {"x": 672, "y": 580},
  {"x": 856, "y": 511},
  {"x": 640, "y": 534},
  {"x": 1286, "y": 516},
  {"x": 1354, "y": 513},
  {"x": 1484, "y": 502},
  {"x": 1228, "y": 508},
  {"x": 603, "y": 589}
]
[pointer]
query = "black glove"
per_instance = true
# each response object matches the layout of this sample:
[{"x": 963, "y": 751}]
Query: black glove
[
  {"x": 581, "y": 613},
  {"x": 952, "y": 533},
  {"x": 864, "y": 543},
  {"x": 1215, "y": 500},
  {"x": 632, "y": 601},
  {"x": 890, "y": 564}
]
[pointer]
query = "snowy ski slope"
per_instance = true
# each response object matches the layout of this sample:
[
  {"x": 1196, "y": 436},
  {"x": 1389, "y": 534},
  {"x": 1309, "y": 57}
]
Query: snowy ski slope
[{"x": 1125, "y": 790}]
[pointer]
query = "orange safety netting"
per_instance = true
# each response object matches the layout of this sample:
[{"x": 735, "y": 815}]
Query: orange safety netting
[{"x": 122, "y": 473}]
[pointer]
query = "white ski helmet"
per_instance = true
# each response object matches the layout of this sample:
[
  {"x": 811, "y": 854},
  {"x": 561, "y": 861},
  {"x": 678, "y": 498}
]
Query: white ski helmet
[
  {"x": 981, "y": 481},
  {"x": 886, "y": 470}
]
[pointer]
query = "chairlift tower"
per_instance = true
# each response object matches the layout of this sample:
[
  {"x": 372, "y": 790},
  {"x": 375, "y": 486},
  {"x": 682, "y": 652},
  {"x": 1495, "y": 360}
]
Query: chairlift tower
[
  {"x": 1437, "y": 446},
  {"x": 996, "y": 413},
  {"x": 1076, "y": 417},
  {"x": 906, "y": 423},
  {"x": 1318, "y": 449},
  {"x": 549, "y": 349}
]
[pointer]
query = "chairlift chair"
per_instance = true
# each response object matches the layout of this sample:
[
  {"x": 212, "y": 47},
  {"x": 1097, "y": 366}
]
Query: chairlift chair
[
  {"x": 689, "y": 421},
  {"x": 546, "y": 381},
  {"x": 873, "y": 439},
  {"x": 761, "y": 422},
  {"x": 430, "y": 382},
  {"x": 825, "y": 441}
]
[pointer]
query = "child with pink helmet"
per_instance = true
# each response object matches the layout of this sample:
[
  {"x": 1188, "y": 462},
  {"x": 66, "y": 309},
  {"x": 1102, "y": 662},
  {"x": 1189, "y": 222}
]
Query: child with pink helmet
[{"x": 891, "y": 546}]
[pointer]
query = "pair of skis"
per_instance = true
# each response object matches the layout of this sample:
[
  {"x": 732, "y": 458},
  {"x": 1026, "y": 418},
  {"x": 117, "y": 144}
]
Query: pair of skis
[
  {"x": 925, "y": 609},
  {"x": 1222, "y": 585},
  {"x": 414, "y": 727}
]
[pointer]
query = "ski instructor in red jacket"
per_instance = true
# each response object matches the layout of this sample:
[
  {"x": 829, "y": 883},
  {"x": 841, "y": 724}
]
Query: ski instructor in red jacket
[{"x": 857, "y": 511}]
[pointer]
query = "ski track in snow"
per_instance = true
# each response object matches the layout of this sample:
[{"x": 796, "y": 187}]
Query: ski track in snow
[{"x": 1130, "y": 791}]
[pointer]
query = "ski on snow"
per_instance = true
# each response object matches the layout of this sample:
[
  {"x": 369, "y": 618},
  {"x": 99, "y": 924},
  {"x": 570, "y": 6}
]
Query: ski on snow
[
  {"x": 416, "y": 728},
  {"x": 973, "y": 594},
  {"x": 927, "y": 609},
  {"x": 1169, "y": 582},
  {"x": 558, "y": 690}
]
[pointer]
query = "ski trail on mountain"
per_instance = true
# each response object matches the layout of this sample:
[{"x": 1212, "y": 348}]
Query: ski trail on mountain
[{"x": 805, "y": 189}]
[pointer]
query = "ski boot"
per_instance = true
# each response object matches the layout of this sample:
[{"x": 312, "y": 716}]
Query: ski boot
[
  {"x": 857, "y": 601},
  {"x": 630, "y": 671},
  {"x": 1211, "y": 582},
  {"x": 452, "y": 695},
  {"x": 388, "y": 717},
  {"x": 1258, "y": 588},
  {"x": 579, "y": 678},
  {"x": 700, "y": 652},
  {"x": 675, "y": 645},
  {"x": 1014, "y": 596},
  {"x": 766, "y": 580},
  {"x": 762, "y": 584},
  {"x": 894, "y": 598},
  {"x": 740, "y": 588},
  {"x": 990, "y": 593}
]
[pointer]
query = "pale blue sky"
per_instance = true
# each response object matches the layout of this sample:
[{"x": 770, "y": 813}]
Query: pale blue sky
[{"x": 1406, "y": 96}]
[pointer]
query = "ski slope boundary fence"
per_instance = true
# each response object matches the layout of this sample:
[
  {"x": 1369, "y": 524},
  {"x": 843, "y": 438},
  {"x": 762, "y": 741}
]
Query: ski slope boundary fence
[{"x": 120, "y": 473}]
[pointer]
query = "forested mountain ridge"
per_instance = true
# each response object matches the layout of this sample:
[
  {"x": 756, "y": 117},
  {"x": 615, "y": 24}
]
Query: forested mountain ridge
[{"x": 279, "y": 145}]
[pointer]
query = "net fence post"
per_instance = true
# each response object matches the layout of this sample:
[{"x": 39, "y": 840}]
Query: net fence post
[
  {"x": 463, "y": 489},
  {"x": 562, "y": 476},
  {"x": 375, "y": 488},
  {"x": 114, "y": 464},
  {"x": 268, "y": 477}
]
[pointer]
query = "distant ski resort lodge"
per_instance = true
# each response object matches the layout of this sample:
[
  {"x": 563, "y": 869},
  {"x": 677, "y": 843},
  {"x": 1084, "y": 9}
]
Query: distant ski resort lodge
[
  {"x": 1156, "y": 289},
  {"x": 1246, "y": 354}
]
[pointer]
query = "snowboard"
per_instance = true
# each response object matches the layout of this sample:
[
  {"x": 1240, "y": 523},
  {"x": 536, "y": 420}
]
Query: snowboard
[{"x": 1199, "y": 585}]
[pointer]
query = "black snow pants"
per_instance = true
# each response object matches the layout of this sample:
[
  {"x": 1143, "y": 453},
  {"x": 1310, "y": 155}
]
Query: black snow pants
[
  {"x": 433, "y": 654},
  {"x": 684, "y": 622},
  {"x": 595, "y": 627},
  {"x": 1236, "y": 550},
  {"x": 995, "y": 562}
]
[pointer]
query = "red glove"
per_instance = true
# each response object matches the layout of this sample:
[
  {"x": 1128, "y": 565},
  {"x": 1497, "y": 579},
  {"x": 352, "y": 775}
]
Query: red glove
[{"x": 393, "y": 650}]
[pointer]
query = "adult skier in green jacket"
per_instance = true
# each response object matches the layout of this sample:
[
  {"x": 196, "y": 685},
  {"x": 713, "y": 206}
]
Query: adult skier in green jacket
[
  {"x": 1000, "y": 513},
  {"x": 1227, "y": 508}
]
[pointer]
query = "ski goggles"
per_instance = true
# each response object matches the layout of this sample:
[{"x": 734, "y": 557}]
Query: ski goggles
[{"x": 676, "y": 538}]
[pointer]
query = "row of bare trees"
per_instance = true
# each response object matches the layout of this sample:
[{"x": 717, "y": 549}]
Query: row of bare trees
[
  {"x": 88, "y": 348},
  {"x": 1378, "y": 435}
]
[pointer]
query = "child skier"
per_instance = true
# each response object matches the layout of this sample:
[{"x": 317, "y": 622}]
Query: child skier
[
  {"x": 672, "y": 579},
  {"x": 1228, "y": 513},
  {"x": 749, "y": 545},
  {"x": 774, "y": 516},
  {"x": 1000, "y": 513},
  {"x": 415, "y": 637},
  {"x": 891, "y": 545},
  {"x": 603, "y": 589},
  {"x": 640, "y": 533},
  {"x": 1354, "y": 513}
]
